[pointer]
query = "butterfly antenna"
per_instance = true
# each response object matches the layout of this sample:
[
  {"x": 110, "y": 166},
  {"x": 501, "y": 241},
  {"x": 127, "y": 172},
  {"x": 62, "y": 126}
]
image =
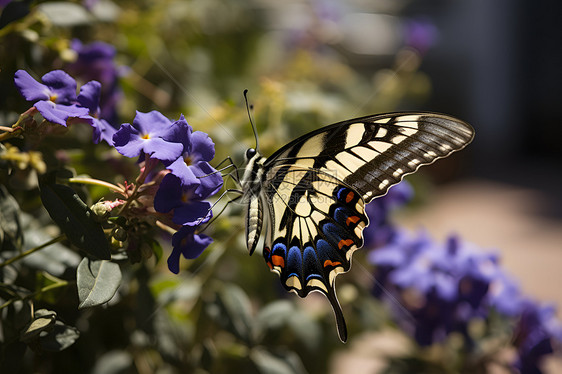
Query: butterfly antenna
[{"x": 250, "y": 117}]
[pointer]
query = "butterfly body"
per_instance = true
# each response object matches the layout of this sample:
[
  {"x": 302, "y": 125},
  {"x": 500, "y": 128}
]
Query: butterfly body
[{"x": 311, "y": 193}]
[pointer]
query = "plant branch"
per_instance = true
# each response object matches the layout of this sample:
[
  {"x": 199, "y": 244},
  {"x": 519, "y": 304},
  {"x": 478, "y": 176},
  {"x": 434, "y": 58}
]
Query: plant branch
[{"x": 32, "y": 250}]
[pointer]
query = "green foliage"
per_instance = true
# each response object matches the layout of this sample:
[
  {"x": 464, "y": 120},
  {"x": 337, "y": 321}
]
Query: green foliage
[
  {"x": 74, "y": 218},
  {"x": 97, "y": 282}
]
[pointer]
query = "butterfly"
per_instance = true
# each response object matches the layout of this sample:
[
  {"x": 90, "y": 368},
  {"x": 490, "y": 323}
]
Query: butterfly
[{"x": 309, "y": 197}]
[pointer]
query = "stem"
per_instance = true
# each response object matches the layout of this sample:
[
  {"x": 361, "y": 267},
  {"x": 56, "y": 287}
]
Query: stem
[
  {"x": 32, "y": 250},
  {"x": 50, "y": 287},
  {"x": 149, "y": 164},
  {"x": 96, "y": 182},
  {"x": 10, "y": 132}
]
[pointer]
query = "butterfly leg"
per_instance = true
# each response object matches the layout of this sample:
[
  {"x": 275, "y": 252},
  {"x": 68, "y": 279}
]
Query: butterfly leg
[
  {"x": 230, "y": 190},
  {"x": 236, "y": 176}
]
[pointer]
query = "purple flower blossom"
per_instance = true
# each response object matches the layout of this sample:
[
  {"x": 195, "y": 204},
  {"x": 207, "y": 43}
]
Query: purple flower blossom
[
  {"x": 55, "y": 99},
  {"x": 152, "y": 134},
  {"x": 89, "y": 97},
  {"x": 187, "y": 243},
  {"x": 442, "y": 286},
  {"x": 420, "y": 34},
  {"x": 96, "y": 62},
  {"x": 198, "y": 148},
  {"x": 536, "y": 331},
  {"x": 186, "y": 201}
]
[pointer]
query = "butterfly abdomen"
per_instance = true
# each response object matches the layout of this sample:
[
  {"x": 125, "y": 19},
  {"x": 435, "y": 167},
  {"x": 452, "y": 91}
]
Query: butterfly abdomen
[{"x": 251, "y": 186}]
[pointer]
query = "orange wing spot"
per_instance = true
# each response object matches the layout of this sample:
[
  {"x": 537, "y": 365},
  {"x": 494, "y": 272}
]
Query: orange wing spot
[
  {"x": 345, "y": 242},
  {"x": 278, "y": 261},
  {"x": 352, "y": 219},
  {"x": 331, "y": 263},
  {"x": 349, "y": 197}
]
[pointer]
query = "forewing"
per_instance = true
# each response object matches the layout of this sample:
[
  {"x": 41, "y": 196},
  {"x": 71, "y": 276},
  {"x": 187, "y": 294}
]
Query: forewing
[{"x": 373, "y": 153}]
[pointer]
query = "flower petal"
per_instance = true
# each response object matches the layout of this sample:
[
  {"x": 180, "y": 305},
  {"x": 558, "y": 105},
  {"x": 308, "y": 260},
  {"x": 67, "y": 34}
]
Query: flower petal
[
  {"x": 151, "y": 123},
  {"x": 192, "y": 213},
  {"x": 186, "y": 242},
  {"x": 210, "y": 180},
  {"x": 161, "y": 149},
  {"x": 102, "y": 131},
  {"x": 62, "y": 84},
  {"x": 59, "y": 113},
  {"x": 174, "y": 260},
  {"x": 127, "y": 141},
  {"x": 29, "y": 88},
  {"x": 89, "y": 96},
  {"x": 184, "y": 172},
  {"x": 168, "y": 195},
  {"x": 202, "y": 146}
]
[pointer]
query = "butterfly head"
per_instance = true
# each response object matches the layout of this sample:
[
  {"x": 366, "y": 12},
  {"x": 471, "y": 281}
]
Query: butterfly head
[{"x": 250, "y": 153}]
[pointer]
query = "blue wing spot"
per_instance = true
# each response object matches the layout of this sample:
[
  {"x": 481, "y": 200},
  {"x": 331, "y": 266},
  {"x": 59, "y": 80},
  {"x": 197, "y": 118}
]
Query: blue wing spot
[
  {"x": 341, "y": 193},
  {"x": 311, "y": 265},
  {"x": 315, "y": 276},
  {"x": 341, "y": 214},
  {"x": 326, "y": 251},
  {"x": 294, "y": 262},
  {"x": 279, "y": 249},
  {"x": 333, "y": 233}
]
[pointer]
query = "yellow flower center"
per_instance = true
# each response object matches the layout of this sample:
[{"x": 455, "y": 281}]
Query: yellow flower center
[
  {"x": 53, "y": 97},
  {"x": 146, "y": 136},
  {"x": 188, "y": 160}
]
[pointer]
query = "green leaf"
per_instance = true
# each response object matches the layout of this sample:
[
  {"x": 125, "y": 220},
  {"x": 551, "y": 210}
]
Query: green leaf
[
  {"x": 234, "y": 313},
  {"x": 11, "y": 237},
  {"x": 97, "y": 280},
  {"x": 74, "y": 218},
  {"x": 43, "y": 320},
  {"x": 277, "y": 363},
  {"x": 59, "y": 338},
  {"x": 14, "y": 11}
]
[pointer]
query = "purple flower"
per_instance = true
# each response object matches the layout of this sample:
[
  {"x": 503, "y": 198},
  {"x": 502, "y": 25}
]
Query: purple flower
[
  {"x": 89, "y": 97},
  {"x": 152, "y": 134},
  {"x": 96, "y": 62},
  {"x": 380, "y": 230},
  {"x": 535, "y": 334},
  {"x": 443, "y": 287},
  {"x": 192, "y": 166},
  {"x": 186, "y": 201},
  {"x": 55, "y": 99},
  {"x": 420, "y": 34},
  {"x": 187, "y": 243}
]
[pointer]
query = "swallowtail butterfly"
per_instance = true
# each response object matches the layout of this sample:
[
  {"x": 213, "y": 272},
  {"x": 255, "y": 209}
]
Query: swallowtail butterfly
[{"x": 312, "y": 192}]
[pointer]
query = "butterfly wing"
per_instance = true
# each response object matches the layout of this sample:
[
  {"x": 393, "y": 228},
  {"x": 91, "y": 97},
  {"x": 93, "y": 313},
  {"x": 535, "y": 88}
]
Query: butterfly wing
[{"x": 317, "y": 187}]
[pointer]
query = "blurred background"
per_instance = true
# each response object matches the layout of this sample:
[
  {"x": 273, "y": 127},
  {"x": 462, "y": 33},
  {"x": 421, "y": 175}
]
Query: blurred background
[{"x": 494, "y": 64}]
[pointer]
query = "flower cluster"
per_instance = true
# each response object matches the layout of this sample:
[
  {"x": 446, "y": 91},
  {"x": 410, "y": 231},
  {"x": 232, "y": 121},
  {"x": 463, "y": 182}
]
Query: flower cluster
[
  {"x": 58, "y": 103},
  {"x": 438, "y": 289},
  {"x": 179, "y": 199},
  {"x": 189, "y": 178}
]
